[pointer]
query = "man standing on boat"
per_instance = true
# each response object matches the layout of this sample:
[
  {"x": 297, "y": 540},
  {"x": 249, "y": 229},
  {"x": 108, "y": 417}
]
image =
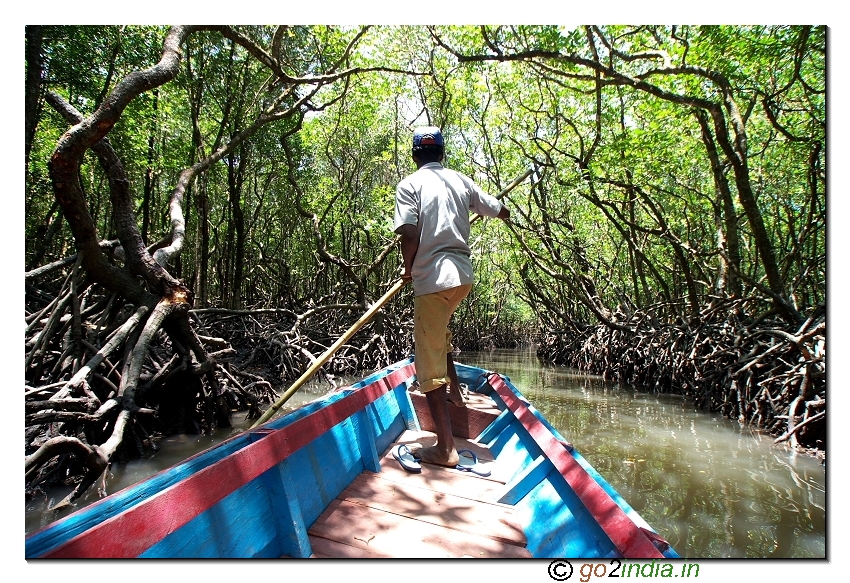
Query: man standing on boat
[{"x": 432, "y": 208}]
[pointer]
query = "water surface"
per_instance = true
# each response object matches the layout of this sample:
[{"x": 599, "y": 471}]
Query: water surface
[{"x": 712, "y": 487}]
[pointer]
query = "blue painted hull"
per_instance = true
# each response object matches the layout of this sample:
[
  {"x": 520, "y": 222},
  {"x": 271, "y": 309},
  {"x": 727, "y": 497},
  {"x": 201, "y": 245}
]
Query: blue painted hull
[{"x": 257, "y": 494}]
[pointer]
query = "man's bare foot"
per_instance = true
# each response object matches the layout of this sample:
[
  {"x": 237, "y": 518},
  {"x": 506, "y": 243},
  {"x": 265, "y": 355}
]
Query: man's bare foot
[
  {"x": 433, "y": 455},
  {"x": 455, "y": 397}
]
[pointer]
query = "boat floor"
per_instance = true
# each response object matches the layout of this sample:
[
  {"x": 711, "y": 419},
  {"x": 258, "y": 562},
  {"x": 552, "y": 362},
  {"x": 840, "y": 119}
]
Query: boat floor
[{"x": 439, "y": 513}]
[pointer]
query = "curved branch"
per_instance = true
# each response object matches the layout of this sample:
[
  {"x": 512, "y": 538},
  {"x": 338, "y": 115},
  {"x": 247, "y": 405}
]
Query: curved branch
[
  {"x": 117, "y": 338},
  {"x": 164, "y": 254},
  {"x": 729, "y": 127},
  {"x": 58, "y": 446},
  {"x": 791, "y": 432},
  {"x": 261, "y": 55}
]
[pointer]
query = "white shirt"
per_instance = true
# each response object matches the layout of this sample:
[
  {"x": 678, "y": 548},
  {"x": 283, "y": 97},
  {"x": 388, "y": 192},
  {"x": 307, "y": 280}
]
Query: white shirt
[{"x": 438, "y": 200}]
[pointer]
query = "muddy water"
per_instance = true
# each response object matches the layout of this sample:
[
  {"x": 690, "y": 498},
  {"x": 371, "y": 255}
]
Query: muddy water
[{"x": 712, "y": 488}]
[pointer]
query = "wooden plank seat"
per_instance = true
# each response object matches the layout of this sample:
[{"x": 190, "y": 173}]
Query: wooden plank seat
[{"x": 467, "y": 422}]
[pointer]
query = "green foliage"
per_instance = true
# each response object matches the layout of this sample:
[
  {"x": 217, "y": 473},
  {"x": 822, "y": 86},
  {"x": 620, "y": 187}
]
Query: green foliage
[{"x": 627, "y": 205}]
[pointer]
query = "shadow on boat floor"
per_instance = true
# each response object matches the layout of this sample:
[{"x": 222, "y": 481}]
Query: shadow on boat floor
[{"x": 438, "y": 513}]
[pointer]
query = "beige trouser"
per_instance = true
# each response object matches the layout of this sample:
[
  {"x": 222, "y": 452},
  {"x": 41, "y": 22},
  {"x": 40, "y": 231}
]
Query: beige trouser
[{"x": 431, "y": 336}]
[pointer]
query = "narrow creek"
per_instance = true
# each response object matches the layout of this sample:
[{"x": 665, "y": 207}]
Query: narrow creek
[{"x": 712, "y": 487}]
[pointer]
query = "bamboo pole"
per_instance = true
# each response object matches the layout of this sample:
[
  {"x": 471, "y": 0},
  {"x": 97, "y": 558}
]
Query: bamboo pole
[
  {"x": 329, "y": 352},
  {"x": 370, "y": 313}
]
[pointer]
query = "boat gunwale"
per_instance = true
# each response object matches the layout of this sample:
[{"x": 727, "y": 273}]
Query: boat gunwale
[{"x": 628, "y": 537}]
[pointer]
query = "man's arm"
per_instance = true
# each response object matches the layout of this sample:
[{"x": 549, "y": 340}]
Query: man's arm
[
  {"x": 485, "y": 204},
  {"x": 409, "y": 247}
]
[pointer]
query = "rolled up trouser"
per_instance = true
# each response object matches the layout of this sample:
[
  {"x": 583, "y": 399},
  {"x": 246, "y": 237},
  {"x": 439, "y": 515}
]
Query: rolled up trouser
[{"x": 431, "y": 336}]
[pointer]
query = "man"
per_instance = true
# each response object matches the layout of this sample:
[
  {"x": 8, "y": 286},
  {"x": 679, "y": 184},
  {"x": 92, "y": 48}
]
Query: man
[{"x": 432, "y": 216}]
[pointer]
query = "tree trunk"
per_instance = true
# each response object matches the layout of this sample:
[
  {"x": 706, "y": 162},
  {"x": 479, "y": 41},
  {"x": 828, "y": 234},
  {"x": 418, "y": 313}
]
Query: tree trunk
[
  {"x": 728, "y": 238},
  {"x": 736, "y": 152},
  {"x": 147, "y": 194},
  {"x": 32, "y": 95},
  {"x": 236, "y": 169}
]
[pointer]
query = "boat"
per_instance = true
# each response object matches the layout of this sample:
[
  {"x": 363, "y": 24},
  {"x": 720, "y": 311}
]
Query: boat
[{"x": 327, "y": 481}]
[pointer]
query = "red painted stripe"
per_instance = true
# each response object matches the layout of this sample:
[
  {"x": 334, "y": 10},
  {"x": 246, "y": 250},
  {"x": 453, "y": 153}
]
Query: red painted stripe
[
  {"x": 630, "y": 541},
  {"x": 130, "y": 533}
]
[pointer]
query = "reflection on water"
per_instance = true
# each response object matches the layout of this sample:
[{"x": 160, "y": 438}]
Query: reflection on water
[{"x": 711, "y": 487}]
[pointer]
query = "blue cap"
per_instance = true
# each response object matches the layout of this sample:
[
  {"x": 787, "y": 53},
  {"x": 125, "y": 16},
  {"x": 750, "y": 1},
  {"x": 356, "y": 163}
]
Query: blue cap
[{"x": 427, "y": 137}]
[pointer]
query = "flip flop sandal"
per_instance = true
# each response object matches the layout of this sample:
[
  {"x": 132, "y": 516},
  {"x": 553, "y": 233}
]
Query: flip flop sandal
[
  {"x": 469, "y": 463},
  {"x": 403, "y": 456}
]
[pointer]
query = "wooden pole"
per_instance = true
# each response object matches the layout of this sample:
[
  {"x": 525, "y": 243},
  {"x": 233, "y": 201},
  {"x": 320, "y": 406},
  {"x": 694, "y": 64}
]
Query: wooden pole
[
  {"x": 370, "y": 313},
  {"x": 329, "y": 352}
]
